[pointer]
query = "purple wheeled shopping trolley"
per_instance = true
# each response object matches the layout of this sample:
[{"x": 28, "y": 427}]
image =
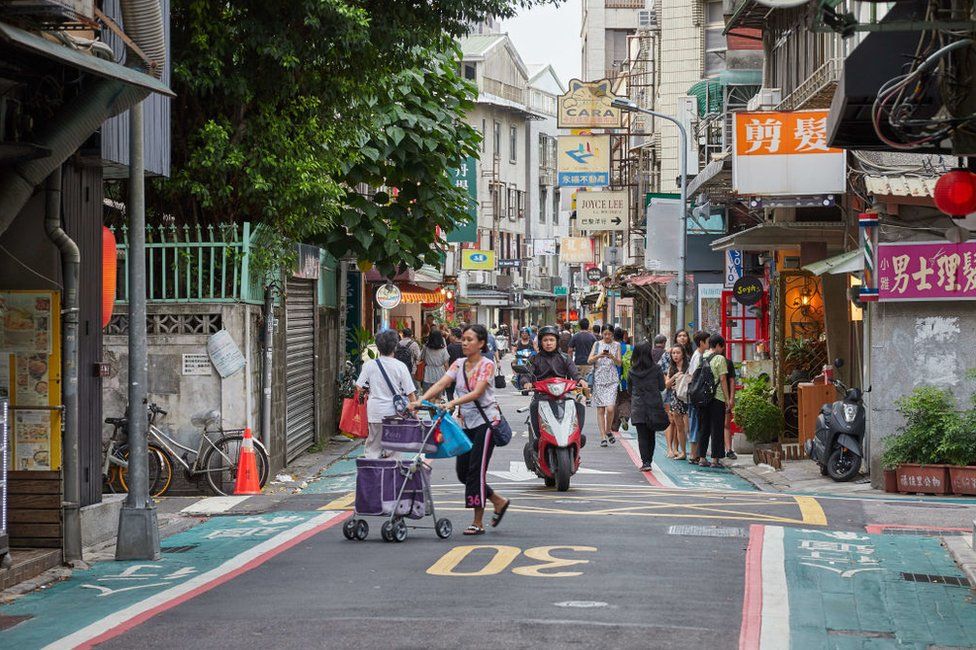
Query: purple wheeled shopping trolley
[{"x": 397, "y": 489}]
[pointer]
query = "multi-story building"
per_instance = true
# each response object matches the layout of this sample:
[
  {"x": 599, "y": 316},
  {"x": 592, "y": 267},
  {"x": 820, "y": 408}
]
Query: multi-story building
[{"x": 606, "y": 26}]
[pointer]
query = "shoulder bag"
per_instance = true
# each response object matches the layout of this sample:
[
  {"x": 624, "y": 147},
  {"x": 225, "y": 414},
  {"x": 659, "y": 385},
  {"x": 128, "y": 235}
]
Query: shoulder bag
[
  {"x": 501, "y": 431},
  {"x": 400, "y": 404}
]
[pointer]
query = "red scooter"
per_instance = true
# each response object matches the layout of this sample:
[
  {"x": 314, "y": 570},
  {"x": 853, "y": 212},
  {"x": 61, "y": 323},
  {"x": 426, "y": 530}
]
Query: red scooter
[{"x": 555, "y": 434}]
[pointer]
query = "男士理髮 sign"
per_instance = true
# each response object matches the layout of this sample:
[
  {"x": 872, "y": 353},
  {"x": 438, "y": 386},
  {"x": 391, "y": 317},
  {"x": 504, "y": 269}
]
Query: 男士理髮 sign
[{"x": 926, "y": 271}]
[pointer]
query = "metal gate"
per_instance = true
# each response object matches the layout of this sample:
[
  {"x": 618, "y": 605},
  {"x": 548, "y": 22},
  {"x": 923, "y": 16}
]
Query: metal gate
[{"x": 299, "y": 367}]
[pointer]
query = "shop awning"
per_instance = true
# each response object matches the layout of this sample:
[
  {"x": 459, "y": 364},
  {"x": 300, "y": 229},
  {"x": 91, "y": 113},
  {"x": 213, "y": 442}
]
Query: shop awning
[
  {"x": 901, "y": 186},
  {"x": 849, "y": 262},
  {"x": 486, "y": 298},
  {"x": 24, "y": 40},
  {"x": 645, "y": 280},
  {"x": 537, "y": 293},
  {"x": 784, "y": 234},
  {"x": 414, "y": 295}
]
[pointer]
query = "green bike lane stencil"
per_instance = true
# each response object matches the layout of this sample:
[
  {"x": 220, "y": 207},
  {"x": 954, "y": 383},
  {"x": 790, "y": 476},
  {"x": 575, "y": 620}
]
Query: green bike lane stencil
[
  {"x": 682, "y": 474},
  {"x": 834, "y": 589},
  {"x": 339, "y": 477},
  {"x": 117, "y": 595}
]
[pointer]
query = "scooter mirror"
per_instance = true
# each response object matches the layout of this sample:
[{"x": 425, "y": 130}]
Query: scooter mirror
[{"x": 838, "y": 363}]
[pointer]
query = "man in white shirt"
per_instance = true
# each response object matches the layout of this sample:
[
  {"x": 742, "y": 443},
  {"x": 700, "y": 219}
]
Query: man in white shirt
[
  {"x": 700, "y": 339},
  {"x": 381, "y": 401}
]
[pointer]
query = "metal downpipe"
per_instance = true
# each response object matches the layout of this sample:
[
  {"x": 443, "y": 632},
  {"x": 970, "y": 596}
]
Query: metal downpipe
[
  {"x": 70, "y": 263},
  {"x": 266, "y": 368}
]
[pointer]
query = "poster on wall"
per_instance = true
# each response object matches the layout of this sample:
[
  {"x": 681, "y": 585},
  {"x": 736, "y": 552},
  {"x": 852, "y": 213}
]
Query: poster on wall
[
  {"x": 710, "y": 307},
  {"x": 32, "y": 440},
  {"x": 26, "y": 322}
]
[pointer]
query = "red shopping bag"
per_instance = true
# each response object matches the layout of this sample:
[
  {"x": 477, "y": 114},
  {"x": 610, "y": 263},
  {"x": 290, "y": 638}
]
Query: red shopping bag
[{"x": 353, "y": 421}]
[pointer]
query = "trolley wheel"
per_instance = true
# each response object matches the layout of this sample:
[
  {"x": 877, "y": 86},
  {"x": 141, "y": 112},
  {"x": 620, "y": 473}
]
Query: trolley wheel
[
  {"x": 349, "y": 529},
  {"x": 550, "y": 481},
  {"x": 443, "y": 528},
  {"x": 362, "y": 530},
  {"x": 386, "y": 531},
  {"x": 399, "y": 531}
]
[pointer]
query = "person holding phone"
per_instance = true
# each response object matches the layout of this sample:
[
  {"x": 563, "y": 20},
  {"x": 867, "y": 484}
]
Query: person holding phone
[{"x": 605, "y": 359}]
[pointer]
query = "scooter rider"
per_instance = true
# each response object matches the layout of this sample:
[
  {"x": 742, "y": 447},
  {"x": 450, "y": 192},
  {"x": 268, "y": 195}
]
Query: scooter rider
[{"x": 550, "y": 362}]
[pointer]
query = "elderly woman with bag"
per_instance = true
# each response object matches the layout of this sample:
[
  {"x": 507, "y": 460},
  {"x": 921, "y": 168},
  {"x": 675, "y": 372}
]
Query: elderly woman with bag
[
  {"x": 647, "y": 406},
  {"x": 473, "y": 377},
  {"x": 390, "y": 387}
]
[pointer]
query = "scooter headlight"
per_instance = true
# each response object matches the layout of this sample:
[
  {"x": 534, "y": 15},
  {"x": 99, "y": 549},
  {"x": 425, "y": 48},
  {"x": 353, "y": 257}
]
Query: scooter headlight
[
  {"x": 850, "y": 412},
  {"x": 557, "y": 388}
]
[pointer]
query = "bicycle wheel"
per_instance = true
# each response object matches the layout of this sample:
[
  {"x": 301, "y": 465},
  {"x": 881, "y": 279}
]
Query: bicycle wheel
[
  {"x": 160, "y": 470},
  {"x": 220, "y": 464}
]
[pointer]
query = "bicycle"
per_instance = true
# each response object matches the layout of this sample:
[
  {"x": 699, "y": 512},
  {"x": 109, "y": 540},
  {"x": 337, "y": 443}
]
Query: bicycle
[
  {"x": 116, "y": 465},
  {"x": 214, "y": 458}
]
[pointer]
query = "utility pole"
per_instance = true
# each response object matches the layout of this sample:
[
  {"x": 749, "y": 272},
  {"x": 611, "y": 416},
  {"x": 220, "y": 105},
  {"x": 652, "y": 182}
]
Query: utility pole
[{"x": 138, "y": 527}]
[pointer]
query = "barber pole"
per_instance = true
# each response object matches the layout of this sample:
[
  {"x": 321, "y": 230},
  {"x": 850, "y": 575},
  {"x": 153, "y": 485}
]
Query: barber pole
[{"x": 868, "y": 222}]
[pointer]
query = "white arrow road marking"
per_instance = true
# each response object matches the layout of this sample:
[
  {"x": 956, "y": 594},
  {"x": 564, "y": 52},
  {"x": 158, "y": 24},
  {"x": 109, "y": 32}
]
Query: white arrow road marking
[
  {"x": 517, "y": 471},
  {"x": 587, "y": 470}
]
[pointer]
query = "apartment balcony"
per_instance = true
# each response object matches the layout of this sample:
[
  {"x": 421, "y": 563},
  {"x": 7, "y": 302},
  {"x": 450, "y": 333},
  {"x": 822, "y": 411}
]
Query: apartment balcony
[
  {"x": 624, "y": 4},
  {"x": 504, "y": 90},
  {"x": 817, "y": 90}
]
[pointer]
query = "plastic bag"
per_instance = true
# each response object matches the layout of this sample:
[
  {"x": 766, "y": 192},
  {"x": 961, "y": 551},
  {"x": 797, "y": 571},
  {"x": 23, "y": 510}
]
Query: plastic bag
[
  {"x": 353, "y": 421},
  {"x": 453, "y": 441}
]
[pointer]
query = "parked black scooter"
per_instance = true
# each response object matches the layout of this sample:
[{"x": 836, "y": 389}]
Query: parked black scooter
[{"x": 838, "y": 443}]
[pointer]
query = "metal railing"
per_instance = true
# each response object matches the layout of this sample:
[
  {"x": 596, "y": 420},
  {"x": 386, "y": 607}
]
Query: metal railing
[
  {"x": 818, "y": 83},
  {"x": 192, "y": 263},
  {"x": 503, "y": 90},
  {"x": 624, "y": 4}
]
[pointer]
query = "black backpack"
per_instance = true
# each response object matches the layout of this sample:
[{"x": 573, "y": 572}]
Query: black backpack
[
  {"x": 403, "y": 354},
  {"x": 701, "y": 391}
]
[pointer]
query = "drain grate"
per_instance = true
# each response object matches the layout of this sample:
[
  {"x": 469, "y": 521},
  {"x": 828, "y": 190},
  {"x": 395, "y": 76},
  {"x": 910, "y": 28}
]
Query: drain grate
[
  {"x": 707, "y": 531},
  {"x": 864, "y": 634},
  {"x": 935, "y": 580},
  {"x": 178, "y": 549}
]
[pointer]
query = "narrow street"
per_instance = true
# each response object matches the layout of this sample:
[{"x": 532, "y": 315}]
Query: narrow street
[{"x": 620, "y": 559}]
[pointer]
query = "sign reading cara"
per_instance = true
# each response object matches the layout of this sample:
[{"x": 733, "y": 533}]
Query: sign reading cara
[
  {"x": 587, "y": 106},
  {"x": 477, "y": 260},
  {"x": 603, "y": 210},
  {"x": 927, "y": 271},
  {"x": 583, "y": 161},
  {"x": 786, "y": 154}
]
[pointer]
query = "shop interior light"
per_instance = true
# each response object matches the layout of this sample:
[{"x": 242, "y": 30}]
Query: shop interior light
[{"x": 955, "y": 193}]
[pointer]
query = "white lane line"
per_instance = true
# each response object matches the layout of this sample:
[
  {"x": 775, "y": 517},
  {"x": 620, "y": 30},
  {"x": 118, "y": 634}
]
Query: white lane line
[
  {"x": 775, "y": 631},
  {"x": 141, "y": 611},
  {"x": 213, "y": 505}
]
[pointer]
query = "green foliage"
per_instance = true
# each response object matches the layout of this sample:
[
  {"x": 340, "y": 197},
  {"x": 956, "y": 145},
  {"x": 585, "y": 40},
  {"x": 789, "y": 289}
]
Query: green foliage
[
  {"x": 754, "y": 410},
  {"x": 928, "y": 413},
  {"x": 958, "y": 444},
  {"x": 363, "y": 343}
]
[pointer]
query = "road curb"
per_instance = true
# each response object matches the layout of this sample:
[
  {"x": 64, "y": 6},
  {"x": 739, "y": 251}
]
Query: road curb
[
  {"x": 763, "y": 482},
  {"x": 964, "y": 555}
]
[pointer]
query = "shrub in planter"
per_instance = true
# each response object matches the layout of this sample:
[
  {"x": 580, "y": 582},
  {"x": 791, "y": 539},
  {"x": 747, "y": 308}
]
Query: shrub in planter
[
  {"x": 958, "y": 448},
  {"x": 927, "y": 412},
  {"x": 760, "y": 419}
]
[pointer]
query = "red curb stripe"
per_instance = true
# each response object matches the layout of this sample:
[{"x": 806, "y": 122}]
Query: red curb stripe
[
  {"x": 752, "y": 594},
  {"x": 216, "y": 582},
  {"x": 635, "y": 459}
]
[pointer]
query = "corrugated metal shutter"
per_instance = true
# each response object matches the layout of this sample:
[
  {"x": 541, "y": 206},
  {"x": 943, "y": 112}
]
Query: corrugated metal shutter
[{"x": 300, "y": 367}]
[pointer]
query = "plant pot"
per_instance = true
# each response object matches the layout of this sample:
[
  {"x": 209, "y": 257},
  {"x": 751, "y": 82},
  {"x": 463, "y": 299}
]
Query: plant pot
[
  {"x": 890, "y": 480},
  {"x": 928, "y": 479},
  {"x": 741, "y": 444},
  {"x": 963, "y": 479}
]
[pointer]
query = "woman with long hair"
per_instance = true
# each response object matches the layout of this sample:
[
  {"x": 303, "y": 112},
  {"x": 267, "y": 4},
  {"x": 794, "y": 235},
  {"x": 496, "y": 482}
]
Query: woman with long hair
[
  {"x": 683, "y": 338},
  {"x": 647, "y": 408},
  {"x": 621, "y": 410},
  {"x": 605, "y": 359},
  {"x": 678, "y": 411},
  {"x": 473, "y": 378},
  {"x": 435, "y": 357}
]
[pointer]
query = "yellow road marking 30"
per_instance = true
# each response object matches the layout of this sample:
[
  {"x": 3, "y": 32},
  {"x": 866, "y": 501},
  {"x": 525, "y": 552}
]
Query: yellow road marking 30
[{"x": 503, "y": 556}]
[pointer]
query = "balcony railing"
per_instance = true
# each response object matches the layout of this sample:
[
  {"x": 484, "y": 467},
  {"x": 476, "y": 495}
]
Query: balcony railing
[
  {"x": 624, "y": 4},
  {"x": 503, "y": 90},
  {"x": 817, "y": 90}
]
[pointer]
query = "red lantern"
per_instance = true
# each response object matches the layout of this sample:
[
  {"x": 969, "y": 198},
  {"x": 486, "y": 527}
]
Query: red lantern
[
  {"x": 109, "y": 272},
  {"x": 955, "y": 193}
]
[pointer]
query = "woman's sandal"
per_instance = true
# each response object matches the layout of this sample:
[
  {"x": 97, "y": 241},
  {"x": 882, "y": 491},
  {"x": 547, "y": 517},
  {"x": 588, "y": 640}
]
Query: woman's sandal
[
  {"x": 611, "y": 440},
  {"x": 604, "y": 443},
  {"x": 474, "y": 530},
  {"x": 497, "y": 517}
]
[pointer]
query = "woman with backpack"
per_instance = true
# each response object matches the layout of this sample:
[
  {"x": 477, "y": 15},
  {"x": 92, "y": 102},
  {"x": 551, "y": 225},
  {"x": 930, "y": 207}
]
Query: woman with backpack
[
  {"x": 647, "y": 407},
  {"x": 435, "y": 358},
  {"x": 677, "y": 386}
]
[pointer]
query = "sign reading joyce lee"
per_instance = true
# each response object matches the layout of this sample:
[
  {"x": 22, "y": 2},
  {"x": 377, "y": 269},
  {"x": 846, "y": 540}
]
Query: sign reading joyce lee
[{"x": 603, "y": 210}]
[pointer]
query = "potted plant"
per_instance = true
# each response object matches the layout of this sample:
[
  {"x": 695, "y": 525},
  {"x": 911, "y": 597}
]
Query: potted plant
[
  {"x": 914, "y": 453},
  {"x": 756, "y": 414},
  {"x": 958, "y": 447}
]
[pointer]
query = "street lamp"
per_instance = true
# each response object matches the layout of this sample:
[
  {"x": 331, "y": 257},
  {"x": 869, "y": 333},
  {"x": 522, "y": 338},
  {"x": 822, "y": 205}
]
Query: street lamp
[{"x": 629, "y": 106}]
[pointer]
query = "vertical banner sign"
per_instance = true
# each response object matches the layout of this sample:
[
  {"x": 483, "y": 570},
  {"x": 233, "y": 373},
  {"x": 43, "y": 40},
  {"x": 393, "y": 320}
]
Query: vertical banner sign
[
  {"x": 868, "y": 223},
  {"x": 583, "y": 161},
  {"x": 466, "y": 177},
  {"x": 733, "y": 267}
]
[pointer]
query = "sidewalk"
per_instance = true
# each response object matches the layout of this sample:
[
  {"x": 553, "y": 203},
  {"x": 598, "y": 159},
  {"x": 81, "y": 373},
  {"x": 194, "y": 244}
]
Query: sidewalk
[{"x": 799, "y": 476}]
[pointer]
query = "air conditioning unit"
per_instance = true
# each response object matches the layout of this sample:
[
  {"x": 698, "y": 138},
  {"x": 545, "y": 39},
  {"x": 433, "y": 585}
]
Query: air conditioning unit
[
  {"x": 478, "y": 277},
  {"x": 505, "y": 282},
  {"x": 765, "y": 99},
  {"x": 646, "y": 19},
  {"x": 52, "y": 12}
]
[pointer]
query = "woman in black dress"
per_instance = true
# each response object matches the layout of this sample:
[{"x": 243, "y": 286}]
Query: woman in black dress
[{"x": 647, "y": 407}]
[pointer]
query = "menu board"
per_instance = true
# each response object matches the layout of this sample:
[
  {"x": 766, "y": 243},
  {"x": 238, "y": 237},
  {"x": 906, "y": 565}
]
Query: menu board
[{"x": 30, "y": 376}]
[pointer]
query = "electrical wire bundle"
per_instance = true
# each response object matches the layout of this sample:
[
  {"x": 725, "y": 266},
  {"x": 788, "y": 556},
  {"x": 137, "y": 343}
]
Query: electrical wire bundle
[{"x": 899, "y": 99}]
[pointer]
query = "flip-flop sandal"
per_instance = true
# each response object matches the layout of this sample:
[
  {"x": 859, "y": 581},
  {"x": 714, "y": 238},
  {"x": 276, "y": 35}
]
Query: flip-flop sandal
[
  {"x": 612, "y": 440},
  {"x": 474, "y": 530},
  {"x": 497, "y": 517},
  {"x": 604, "y": 443}
]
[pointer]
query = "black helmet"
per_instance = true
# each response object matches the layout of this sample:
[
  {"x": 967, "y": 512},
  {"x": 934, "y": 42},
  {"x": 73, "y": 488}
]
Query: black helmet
[{"x": 548, "y": 330}]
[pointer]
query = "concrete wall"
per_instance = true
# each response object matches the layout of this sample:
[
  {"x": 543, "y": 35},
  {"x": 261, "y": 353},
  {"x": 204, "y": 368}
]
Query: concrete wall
[
  {"x": 680, "y": 67},
  {"x": 915, "y": 344}
]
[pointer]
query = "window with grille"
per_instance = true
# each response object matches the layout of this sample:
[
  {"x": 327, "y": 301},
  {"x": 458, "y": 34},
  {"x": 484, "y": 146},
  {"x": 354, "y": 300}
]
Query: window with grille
[
  {"x": 512, "y": 143},
  {"x": 543, "y": 204},
  {"x": 496, "y": 139},
  {"x": 716, "y": 43}
]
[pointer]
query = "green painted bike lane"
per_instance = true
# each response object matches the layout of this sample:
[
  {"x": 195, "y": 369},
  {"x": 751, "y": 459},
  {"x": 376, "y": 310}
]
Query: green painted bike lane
[
  {"x": 682, "y": 474},
  {"x": 95, "y": 601},
  {"x": 851, "y": 590}
]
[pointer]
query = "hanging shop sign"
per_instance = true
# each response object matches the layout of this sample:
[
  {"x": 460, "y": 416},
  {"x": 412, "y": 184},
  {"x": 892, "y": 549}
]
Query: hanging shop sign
[
  {"x": 388, "y": 296},
  {"x": 477, "y": 260},
  {"x": 560, "y": 290},
  {"x": 663, "y": 234},
  {"x": 588, "y": 105},
  {"x": 785, "y": 154},
  {"x": 509, "y": 264},
  {"x": 926, "y": 271},
  {"x": 575, "y": 250},
  {"x": 583, "y": 161},
  {"x": 543, "y": 246},
  {"x": 593, "y": 274},
  {"x": 748, "y": 290},
  {"x": 733, "y": 267},
  {"x": 466, "y": 177},
  {"x": 607, "y": 210}
]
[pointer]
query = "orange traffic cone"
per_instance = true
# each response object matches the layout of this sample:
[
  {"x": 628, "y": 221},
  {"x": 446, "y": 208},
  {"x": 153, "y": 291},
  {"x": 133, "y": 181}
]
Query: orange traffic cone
[{"x": 248, "y": 480}]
